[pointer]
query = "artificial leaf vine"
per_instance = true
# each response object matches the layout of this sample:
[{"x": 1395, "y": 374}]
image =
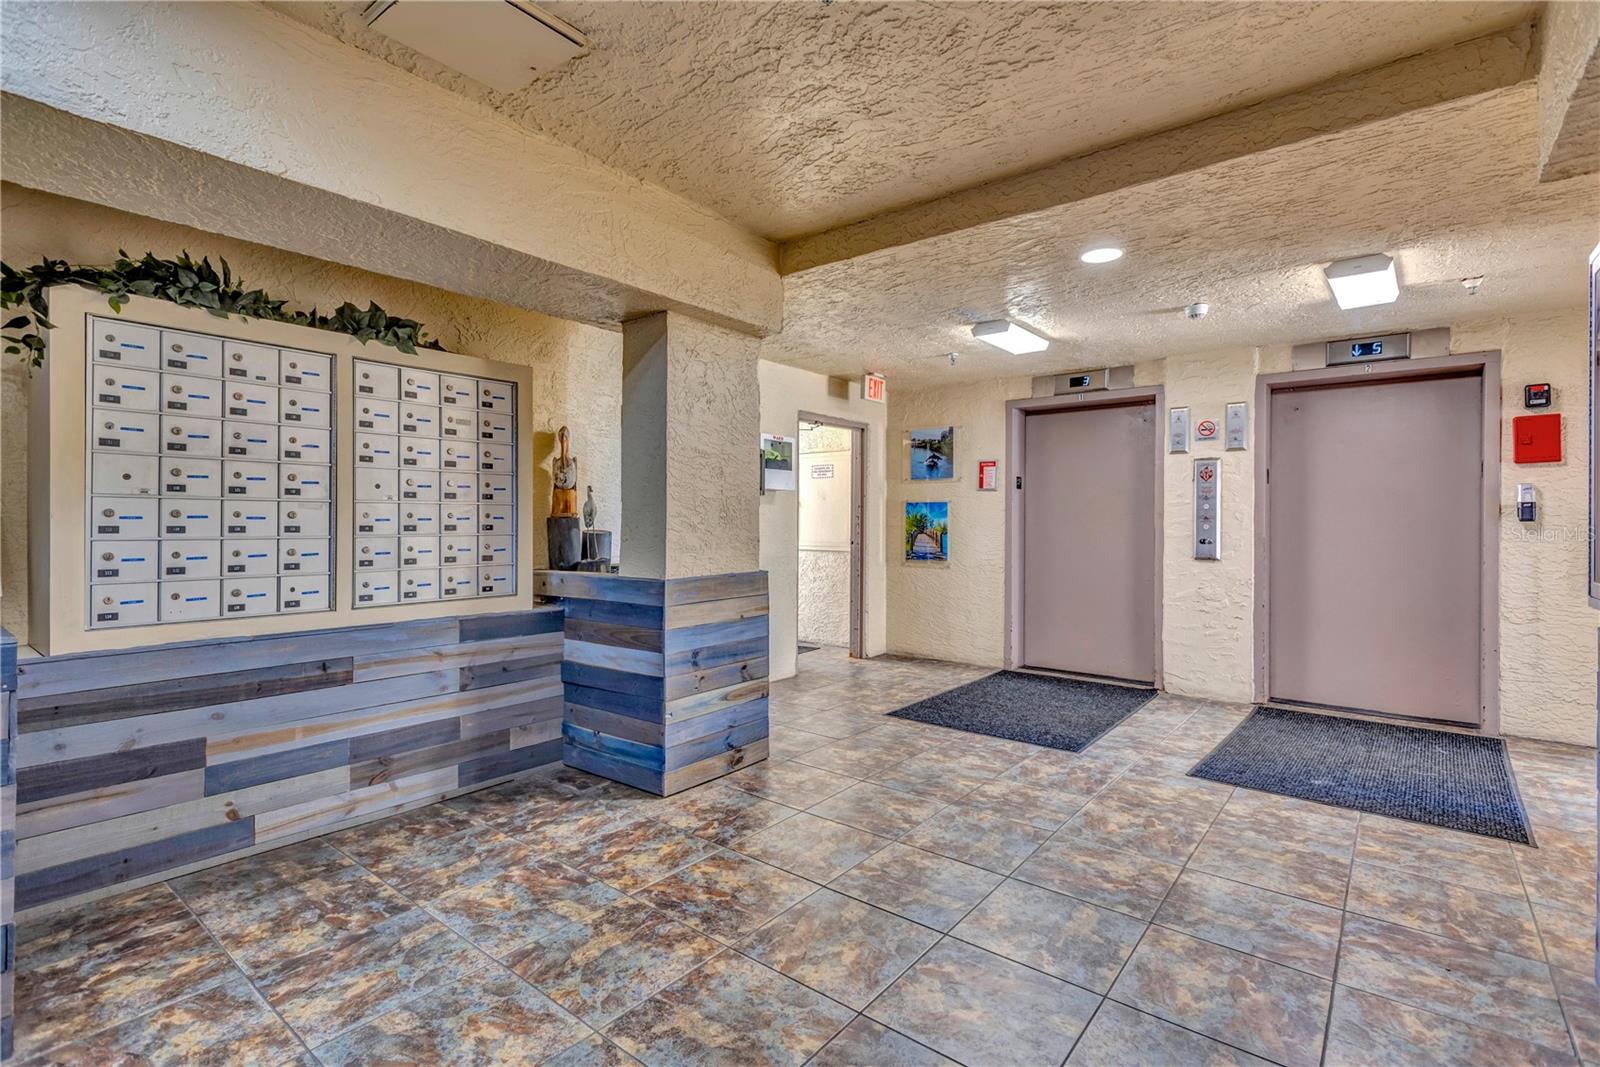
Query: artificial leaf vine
[{"x": 182, "y": 281}]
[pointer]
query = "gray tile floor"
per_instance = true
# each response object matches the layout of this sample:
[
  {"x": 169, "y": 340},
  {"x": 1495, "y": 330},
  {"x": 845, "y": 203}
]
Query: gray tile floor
[{"x": 879, "y": 892}]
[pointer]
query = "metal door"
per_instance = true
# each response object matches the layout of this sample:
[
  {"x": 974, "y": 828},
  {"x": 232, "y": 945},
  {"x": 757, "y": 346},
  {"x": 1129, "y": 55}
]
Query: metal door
[
  {"x": 1375, "y": 547},
  {"x": 1089, "y": 541}
]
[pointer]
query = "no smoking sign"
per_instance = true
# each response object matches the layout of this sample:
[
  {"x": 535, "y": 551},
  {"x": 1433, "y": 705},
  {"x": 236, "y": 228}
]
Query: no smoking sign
[{"x": 1206, "y": 430}]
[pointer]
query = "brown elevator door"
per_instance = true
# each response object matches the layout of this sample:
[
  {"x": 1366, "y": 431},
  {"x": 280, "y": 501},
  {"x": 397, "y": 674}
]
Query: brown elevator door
[
  {"x": 1376, "y": 546},
  {"x": 1089, "y": 529}
]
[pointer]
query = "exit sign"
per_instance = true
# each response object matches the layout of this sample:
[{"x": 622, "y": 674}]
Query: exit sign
[{"x": 874, "y": 387}]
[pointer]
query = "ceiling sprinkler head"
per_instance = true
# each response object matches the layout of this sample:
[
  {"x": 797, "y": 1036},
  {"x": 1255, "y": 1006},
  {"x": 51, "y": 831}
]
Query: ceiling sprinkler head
[
  {"x": 952, "y": 356},
  {"x": 1197, "y": 311},
  {"x": 1471, "y": 284}
]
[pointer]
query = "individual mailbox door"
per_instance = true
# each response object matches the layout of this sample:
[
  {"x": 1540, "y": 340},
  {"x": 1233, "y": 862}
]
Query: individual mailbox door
[
  {"x": 377, "y": 450},
  {"x": 302, "y": 555},
  {"x": 459, "y": 519},
  {"x": 458, "y": 425},
  {"x": 125, "y": 518},
  {"x": 458, "y": 487},
  {"x": 419, "y": 386},
  {"x": 494, "y": 396},
  {"x": 377, "y": 484},
  {"x": 251, "y": 518},
  {"x": 458, "y": 583},
  {"x": 124, "y": 344},
  {"x": 191, "y": 353},
  {"x": 458, "y": 392},
  {"x": 255, "y": 557},
  {"x": 419, "y": 420},
  {"x": 250, "y": 403},
  {"x": 191, "y": 559},
  {"x": 494, "y": 426},
  {"x": 495, "y": 519},
  {"x": 303, "y": 480},
  {"x": 495, "y": 459},
  {"x": 250, "y": 596},
  {"x": 305, "y": 370},
  {"x": 459, "y": 456},
  {"x": 494, "y": 550},
  {"x": 185, "y": 436},
  {"x": 373, "y": 589},
  {"x": 303, "y": 518},
  {"x": 300, "y": 407},
  {"x": 252, "y": 441},
  {"x": 421, "y": 452},
  {"x": 377, "y": 380},
  {"x": 251, "y": 363},
  {"x": 122, "y": 605},
  {"x": 419, "y": 519},
  {"x": 377, "y": 553},
  {"x": 184, "y": 394},
  {"x": 303, "y": 594},
  {"x": 419, "y": 551},
  {"x": 125, "y": 431},
  {"x": 187, "y": 476},
  {"x": 382, "y": 520},
  {"x": 118, "y": 562},
  {"x": 419, "y": 485},
  {"x": 190, "y": 601},
  {"x": 114, "y": 473},
  {"x": 200, "y": 517},
  {"x": 496, "y": 581},
  {"x": 252, "y": 481},
  {"x": 494, "y": 489},
  {"x": 125, "y": 388},
  {"x": 419, "y": 585},
  {"x": 305, "y": 445},
  {"x": 458, "y": 552},
  {"x": 377, "y": 416}
]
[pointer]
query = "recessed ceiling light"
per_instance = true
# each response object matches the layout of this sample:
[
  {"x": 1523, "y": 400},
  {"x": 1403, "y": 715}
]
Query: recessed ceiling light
[
  {"x": 1363, "y": 281},
  {"x": 1009, "y": 336},
  {"x": 1106, "y": 254}
]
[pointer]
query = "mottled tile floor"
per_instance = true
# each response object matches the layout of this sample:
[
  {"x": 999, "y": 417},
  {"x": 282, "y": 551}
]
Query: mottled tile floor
[{"x": 879, "y": 892}]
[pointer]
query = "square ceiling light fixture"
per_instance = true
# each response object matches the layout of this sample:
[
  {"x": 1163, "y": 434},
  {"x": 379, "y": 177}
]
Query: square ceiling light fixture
[
  {"x": 1009, "y": 336},
  {"x": 1363, "y": 281},
  {"x": 501, "y": 43}
]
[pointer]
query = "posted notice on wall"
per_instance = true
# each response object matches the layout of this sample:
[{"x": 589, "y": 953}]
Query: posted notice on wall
[{"x": 988, "y": 475}]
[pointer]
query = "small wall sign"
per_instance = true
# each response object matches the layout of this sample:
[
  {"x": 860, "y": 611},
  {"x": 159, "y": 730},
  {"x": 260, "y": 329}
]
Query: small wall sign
[
  {"x": 1205, "y": 429},
  {"x": 988, "y": 475},
  {"x": 874, "y": 387},
  {"x": 822, "y": 470}
]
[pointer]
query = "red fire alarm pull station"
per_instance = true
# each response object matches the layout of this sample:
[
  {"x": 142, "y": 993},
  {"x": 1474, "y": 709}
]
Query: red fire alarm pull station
[
  {"x": 1536, "y": 438},
  {"x": 1536, "y": 395}
]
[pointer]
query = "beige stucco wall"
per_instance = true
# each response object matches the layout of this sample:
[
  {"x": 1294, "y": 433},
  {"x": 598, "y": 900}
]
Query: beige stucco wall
[
  {"x": 577, "y": 369},
  {"x": 785, "y": 392},
  {"x": 1547, "y": 660}
]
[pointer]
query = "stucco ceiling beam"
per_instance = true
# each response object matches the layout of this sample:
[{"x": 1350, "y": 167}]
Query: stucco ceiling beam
[
  {"x": 235, "y": 119},
  {"x": 1458, "y": 72},
  {"x": 1569, "y": 91}
]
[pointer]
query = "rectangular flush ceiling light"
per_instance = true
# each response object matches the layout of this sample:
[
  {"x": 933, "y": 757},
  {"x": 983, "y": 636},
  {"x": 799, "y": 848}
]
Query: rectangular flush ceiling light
[
  {"x": 1363, "y": 281},
  {"x": 1009, "y": 336},
  {"x": 500, "y": 43}
]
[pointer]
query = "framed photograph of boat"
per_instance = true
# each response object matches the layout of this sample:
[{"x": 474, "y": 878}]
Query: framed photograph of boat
[{"x": 932, "y": 454}]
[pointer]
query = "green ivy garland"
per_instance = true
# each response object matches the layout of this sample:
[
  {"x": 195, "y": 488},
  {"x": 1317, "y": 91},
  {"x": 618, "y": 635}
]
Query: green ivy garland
[{"x": 182, "y": 281}]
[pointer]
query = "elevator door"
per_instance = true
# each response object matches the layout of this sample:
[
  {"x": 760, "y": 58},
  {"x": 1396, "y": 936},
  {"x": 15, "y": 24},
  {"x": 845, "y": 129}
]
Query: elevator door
[
  {"x": 1088, "y": 588},
  {"x": 1375, "y": 547}
]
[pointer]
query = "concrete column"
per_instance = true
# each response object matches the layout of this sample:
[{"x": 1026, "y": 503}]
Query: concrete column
[{"x": 691, "y": 417}]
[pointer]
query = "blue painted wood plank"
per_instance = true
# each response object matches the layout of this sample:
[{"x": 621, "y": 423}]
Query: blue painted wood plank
[
  {"x": 512, "y": 761},
  {"x": 715, "y": 587},
  {"x": 699, "y": 659},
  {"x": 689, "y": 638},
  {"x": 630, "y": 704},
  {"x": 687, "y": 755},
  {"x": 611, "y": 680},
  {"x": 587, "y": 585},
  {"x": 510, "y": 624},
  {"x": 686, "y": 730},
  {"x": 111, "y": 868},
  {"x": 587, "y": 759},
  {"x": 405, "y": 739},
  {"x": 634, "y": 752},
  {"x": 647, "y": 616},
  {"x": 114, "y": 768},
  {"x": 276, "y": 766}
]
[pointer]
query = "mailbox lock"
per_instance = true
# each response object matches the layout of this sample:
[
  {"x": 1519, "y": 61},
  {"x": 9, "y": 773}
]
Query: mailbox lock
[
  {"x": 108, "y": 556},
  {"x": 176, "y": 347}
]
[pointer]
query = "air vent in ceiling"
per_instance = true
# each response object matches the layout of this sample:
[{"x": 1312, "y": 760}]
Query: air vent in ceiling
[{"x": 501, "y": 43}]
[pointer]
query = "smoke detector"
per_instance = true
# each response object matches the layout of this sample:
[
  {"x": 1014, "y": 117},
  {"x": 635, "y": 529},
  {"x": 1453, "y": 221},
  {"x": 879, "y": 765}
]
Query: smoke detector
[
  {"x": 1471, "y": 284},
  {"x": 501, "y": 43},
  {"x": 1197, "y": 311}
]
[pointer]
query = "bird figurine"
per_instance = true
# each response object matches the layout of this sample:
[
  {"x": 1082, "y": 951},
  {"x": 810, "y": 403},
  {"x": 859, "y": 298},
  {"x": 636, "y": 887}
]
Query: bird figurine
[{"x": 588, "y": 509}]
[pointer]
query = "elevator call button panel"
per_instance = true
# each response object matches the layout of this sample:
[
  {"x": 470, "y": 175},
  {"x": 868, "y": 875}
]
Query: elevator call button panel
[{"x": 1208, "y": 508}]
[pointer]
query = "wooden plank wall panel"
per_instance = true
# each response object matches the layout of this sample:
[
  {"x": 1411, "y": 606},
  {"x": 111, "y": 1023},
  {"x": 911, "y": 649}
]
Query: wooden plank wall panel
[
  {"x": 666, "y": 679},
  {"x": 161, "y": 759}
]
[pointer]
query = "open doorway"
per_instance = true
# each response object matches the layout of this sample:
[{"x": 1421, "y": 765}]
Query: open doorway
[{"x": 830, "y": 481}]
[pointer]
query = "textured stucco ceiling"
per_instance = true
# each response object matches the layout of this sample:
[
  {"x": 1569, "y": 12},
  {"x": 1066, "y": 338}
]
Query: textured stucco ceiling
[
  {"x": 791, "y": 118},
  {"x": 1449, "y": 191}
]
